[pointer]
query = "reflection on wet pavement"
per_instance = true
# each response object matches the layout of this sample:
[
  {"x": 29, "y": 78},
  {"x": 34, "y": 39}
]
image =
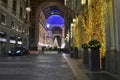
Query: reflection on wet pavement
[{"x": 39, "y": 67}]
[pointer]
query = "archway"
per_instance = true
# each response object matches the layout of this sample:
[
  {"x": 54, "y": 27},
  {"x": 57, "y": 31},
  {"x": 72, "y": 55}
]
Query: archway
[
  {"x": 55, "y": 27},
  {"x": 53, "y": 21},
  {"x": 45, "y": 10}
]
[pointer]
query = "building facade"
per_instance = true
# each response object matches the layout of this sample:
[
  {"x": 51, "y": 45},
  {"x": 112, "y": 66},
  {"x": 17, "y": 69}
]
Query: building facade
[{"x": 14, "y": 27}]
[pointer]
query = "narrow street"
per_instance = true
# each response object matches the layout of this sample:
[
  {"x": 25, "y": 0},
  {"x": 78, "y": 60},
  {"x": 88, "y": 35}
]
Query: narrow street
[
  {"x": 48, "y": 67},
  {"x": 35, "y": 67}
]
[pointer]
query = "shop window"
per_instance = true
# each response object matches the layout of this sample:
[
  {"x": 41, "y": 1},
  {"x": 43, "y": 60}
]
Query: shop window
[
  {"x": 12, "y": 40},
  {"x": 12, "y": 37},
  {"x": 19, "y": 39},
  {"x": 2, "y": 35},
  {"x": 3, "y": 19},
  {"x": 2, "y": 48}
]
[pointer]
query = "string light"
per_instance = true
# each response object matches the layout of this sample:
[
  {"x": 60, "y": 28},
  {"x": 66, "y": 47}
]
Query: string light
[
  {"x": 83, "y": 2},
  {"x": 93, "y": 23}
]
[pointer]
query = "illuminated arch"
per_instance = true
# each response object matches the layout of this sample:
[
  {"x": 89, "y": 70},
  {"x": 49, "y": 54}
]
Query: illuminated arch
[{"x": 54, "y": 20}]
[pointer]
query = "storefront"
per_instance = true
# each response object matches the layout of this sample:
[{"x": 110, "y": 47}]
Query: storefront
[
  {"x": 2, "y": 43},
  {"x": 19, "y": 42},
  {"x": 12, "y": 41}
]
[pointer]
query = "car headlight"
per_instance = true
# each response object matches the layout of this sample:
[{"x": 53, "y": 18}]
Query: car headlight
[{"x": 18, "y": 51}]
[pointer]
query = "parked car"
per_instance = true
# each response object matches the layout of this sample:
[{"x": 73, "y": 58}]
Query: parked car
[{"x": 18, "y": 51}]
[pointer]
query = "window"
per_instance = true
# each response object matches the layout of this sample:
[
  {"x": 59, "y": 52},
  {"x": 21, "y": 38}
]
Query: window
[
  {"x": 12, "y": 37},
  {"x": 14, "y": 6},
  {"x": 19, "y": 38},
  {"x": 21, "y": 12},
  {"x": 65, "y": 2},
  {"x": 5, "y": 3},
  {"x": 2, "y": 34},
  {"x": 16, "y": 28},
  {"x": 13, "y": 24},
  {"x": 33, "y": 11},
  {"x": 26, "y": 16},
  {"x": 3, "y": 19},
  {"x": 20, "y": 28}
]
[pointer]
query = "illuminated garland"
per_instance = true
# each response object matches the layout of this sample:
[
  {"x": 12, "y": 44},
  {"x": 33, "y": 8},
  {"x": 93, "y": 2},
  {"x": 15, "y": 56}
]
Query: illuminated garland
[
  {"x": 98, "y": 23},
  {"x": 86, "y": 33},
  {"x": 76, "y": 34},
  {"x": 93, "y": 24}
]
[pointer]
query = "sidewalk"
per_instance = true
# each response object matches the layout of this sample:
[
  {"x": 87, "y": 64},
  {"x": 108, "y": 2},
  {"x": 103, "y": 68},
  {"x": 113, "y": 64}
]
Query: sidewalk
[{"x": 82, "y": 72}]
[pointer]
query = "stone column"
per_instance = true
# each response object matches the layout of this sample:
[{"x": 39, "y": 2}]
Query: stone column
[
  {"x": 117, "y": 23},
  {"x": 7, "y": 43}
]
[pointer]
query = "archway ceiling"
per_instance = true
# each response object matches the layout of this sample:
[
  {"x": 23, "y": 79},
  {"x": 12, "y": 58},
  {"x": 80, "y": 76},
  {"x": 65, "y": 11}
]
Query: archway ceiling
[
  {"x": 57, "y": 29},
  {"x": 52, "y": 10}
]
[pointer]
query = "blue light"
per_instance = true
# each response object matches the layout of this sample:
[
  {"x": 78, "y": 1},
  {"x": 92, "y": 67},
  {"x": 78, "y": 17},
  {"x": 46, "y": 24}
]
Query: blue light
[
  {"x": 48, "y": 25},
  {"x": 55, "y": 10},
  {"x": 55, "y": 20},
  {"x": 18, "y": 51}
]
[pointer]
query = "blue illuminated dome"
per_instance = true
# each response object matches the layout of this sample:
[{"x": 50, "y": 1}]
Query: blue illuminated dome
[{"x": 54, "y": 20}]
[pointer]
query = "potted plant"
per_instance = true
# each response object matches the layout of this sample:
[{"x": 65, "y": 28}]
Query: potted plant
[
  {"x": 85, "y": 53},
  {"x": 75, "y": 52},
  {"x": 71, "y": 51},
  {"x": 85, "y": 46},
  {"x": 94, "y": 46}
]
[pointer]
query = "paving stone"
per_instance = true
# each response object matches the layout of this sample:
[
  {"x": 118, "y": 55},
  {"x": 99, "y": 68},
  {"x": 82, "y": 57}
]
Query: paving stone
[{"x": 39, "y": 67}]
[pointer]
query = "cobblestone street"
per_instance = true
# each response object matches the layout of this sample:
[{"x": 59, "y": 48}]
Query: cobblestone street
[{"x": 35, "y": 67}]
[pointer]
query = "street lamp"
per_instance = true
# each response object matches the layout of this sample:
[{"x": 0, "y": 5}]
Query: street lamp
[{"x": 28, "y": 9}]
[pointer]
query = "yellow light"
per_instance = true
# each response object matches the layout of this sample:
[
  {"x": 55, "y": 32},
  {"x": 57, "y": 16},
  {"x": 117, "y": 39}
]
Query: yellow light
[
  {"x": 72, "y": 24},
  {"x": 83, "y": 2},
  {"x": 74, "y": 20}
]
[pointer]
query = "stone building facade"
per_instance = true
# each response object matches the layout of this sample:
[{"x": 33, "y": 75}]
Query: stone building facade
[{"x": 14, "y": 27}]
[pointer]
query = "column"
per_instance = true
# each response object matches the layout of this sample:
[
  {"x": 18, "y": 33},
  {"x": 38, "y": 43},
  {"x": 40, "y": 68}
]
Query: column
[
  {"x": 117, "y": 23},
  {"x": 7, "y": 43}
]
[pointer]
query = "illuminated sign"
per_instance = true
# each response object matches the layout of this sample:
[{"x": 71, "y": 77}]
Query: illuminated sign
[
  {"x": 3, "y": 40},
  {"x": 12, "y": 41},
  {"x": 19, "y": 42}
]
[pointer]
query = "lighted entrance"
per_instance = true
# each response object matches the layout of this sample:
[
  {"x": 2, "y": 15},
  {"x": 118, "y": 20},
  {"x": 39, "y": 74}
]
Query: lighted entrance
[{"x": 55, "y": 27}]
